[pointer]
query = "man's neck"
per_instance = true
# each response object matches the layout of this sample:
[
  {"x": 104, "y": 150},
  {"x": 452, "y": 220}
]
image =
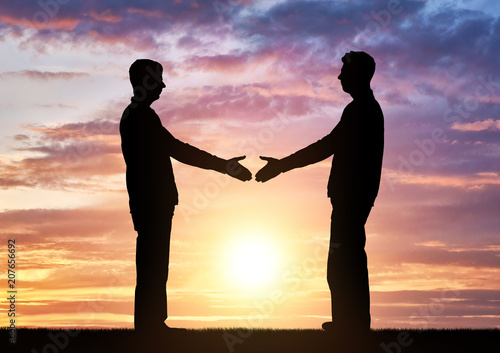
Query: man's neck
[
  {"x": 361, "y": 93},
  {"x": 141, "y": 101}
]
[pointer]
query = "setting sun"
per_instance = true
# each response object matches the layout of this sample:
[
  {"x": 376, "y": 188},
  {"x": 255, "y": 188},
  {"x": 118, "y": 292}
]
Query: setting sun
[{"x": 252, "y": 261}]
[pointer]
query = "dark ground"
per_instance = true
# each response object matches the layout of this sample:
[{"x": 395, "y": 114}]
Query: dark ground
[{"x": 242, "y": 340}]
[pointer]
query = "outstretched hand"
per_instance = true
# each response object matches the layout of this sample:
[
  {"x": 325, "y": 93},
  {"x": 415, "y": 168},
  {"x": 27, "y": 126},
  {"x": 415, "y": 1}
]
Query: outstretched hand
[
  {"x": 269, "y": 171},
  {"x": 236, "y": 170}
]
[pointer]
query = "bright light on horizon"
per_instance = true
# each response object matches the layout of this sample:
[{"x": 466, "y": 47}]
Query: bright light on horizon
[{"x": 252, "y": 261}]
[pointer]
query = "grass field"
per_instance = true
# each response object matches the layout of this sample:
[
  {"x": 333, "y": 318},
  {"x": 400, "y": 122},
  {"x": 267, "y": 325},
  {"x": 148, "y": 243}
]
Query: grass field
[{"x": 243, "y": 340}]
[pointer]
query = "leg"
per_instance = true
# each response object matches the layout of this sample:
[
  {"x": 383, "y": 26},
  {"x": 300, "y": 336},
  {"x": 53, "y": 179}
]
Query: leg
[
  {"x": 347, "y": 271},
  {"x": 152, "y": 258}
]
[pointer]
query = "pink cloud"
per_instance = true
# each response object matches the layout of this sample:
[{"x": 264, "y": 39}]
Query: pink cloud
[
  {"x": 243, "y": 104},
  {"x": 489, "y": 124},
  {"x": 189, "y": 42},
  {"x": 106, "y": 16},
  {"x": 72, "y": 156},
  {"x": 221, "y": 63},
  {"x": 44, "y": 22},
  {"x": 146, "y": 13},
  {"x": 44, "y": 75}
]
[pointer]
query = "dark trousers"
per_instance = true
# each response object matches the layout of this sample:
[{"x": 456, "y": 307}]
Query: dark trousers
[
  {"x": 347, "y": 270},
  {"x": 152, "y": 258}
]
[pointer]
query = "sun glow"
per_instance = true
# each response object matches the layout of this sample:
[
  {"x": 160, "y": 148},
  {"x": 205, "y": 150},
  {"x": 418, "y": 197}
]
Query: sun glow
[{"x": 253, "y": 261}]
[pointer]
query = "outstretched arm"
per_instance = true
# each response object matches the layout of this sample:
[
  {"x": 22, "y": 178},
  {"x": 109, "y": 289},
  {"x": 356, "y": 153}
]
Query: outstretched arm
[
  {"x": 191, "y": 155},
  {"x": 311, "y": 154}
]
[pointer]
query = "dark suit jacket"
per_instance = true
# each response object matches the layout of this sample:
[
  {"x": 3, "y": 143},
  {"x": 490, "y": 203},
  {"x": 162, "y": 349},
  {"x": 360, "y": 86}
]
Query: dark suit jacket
[
  {"x": 357, "y": 143},
  {"x": 147, "y": 147}
]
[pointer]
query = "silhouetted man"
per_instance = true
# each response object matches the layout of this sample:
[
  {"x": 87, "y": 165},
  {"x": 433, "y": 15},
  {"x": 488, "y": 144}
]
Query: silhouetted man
[
  {"x": 357, "y": 143},
  {"x": 147, "y": 147}
]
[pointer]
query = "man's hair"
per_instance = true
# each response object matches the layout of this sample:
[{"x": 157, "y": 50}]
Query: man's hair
[
  {"x": 361, "y": 62},
  {"x": 142, "y": 68}
]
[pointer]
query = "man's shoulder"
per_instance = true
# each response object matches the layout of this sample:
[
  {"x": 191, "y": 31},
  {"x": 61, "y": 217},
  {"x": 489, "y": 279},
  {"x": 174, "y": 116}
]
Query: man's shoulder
[
  {"x": 131, "y": 118},
  {"x": 138, "y": 113},
  {"x": 367, "y": 105}
]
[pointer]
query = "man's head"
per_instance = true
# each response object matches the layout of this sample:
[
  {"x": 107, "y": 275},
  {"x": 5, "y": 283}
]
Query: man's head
[
  {"x": 357, "y": 71},
  {"x": 146, "y": 79}
]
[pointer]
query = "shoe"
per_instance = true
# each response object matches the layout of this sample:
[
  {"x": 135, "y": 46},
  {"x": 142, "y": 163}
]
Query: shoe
[
  {"x": 158, "y": 330},
  {"x": 328, "y": 326},
  {"x": 173, "y": 329},
  {"x": 346, "y": 331}
]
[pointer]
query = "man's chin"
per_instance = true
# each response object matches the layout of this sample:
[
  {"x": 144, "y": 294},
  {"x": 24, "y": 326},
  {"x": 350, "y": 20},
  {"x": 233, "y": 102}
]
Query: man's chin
[{"x": 346, "y": 89}]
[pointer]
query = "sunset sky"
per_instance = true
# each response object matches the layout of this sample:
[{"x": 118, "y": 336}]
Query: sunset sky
[{"x": 250, "y": 78}]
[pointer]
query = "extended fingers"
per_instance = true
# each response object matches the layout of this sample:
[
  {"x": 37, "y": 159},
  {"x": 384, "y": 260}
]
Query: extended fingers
[
  {"x": 236, "y": 159},
  {"x": 268, "y": 159}
]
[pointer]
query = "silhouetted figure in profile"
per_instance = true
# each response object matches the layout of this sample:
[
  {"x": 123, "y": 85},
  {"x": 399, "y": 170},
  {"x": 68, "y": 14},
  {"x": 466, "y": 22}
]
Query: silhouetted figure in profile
[
  {"x": 147, "y": 147},
  {"x": 357, "y": 143}
]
